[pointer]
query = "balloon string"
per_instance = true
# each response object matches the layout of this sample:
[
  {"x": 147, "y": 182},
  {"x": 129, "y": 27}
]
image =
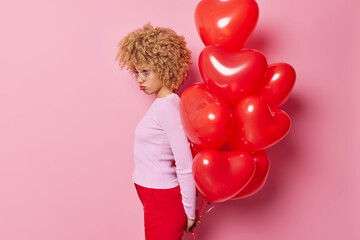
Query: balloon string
[
  {"x": 199, "y": 215},
  {"x": 201, "y": 208}
]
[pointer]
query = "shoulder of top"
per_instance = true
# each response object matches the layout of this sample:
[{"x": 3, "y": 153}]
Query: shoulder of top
[
  {"x": 171, "y": 103},
  {"x": 170, "y": 106}
]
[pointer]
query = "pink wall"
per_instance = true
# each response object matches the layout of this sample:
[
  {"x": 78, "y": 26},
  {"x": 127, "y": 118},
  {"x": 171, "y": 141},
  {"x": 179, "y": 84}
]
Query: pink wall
[{"x": 68, "y": 116}]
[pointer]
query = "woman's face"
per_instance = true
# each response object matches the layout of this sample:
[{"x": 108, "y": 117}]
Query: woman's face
[{"x": 148, "y": 81}]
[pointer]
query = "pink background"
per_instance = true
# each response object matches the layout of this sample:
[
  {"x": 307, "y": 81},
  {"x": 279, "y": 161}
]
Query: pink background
[{"x": 68, "y": 116}]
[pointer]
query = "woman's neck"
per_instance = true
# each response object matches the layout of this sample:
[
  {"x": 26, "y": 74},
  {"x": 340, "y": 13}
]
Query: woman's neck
[{"x": 163, "y": 92}]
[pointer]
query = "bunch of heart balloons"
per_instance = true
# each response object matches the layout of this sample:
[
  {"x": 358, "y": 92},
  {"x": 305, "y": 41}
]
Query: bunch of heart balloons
[{"x": 233, "y": 115}]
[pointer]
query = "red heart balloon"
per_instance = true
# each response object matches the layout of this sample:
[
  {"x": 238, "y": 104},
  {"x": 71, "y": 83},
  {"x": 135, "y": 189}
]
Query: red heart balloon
[
  {"x": 232, "y": 75},
  {"x": 228, "y": 24},
  {"x": 280, "y": 79},
  {"x": 257, "y": 127},
  {"x": 221, "y": 175},
  {"x": 206, "y": 119},
  {"x": 258, "y": 180}
]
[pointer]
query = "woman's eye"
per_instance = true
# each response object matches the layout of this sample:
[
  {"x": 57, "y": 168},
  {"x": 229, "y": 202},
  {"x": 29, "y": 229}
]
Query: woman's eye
[{"x": 146, "y": 72}]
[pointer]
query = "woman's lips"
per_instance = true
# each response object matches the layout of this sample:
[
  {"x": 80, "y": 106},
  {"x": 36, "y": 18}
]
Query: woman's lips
[{"x": 142, "y": 88}]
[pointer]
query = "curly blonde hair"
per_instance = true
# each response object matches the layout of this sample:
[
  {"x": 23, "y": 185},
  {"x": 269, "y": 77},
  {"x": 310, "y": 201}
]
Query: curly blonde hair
[{"x": 161, "y": 49}]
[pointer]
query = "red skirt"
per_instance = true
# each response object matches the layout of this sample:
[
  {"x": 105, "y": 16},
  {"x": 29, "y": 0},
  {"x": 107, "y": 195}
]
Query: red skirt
[{"x": 164, "y": 214}]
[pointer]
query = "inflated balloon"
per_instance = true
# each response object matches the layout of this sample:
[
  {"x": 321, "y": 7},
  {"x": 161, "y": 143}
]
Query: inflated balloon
[
  {"x": 221, "y": 175},
  {"x": 228, "y": 24},
  {"x": 280, "y": 79},
  {"x": 257, "y": 127},
  {"x": 258, "y": 180},
  {"x": 232, "y": 75},
  {"x": 206, "y": 119}
]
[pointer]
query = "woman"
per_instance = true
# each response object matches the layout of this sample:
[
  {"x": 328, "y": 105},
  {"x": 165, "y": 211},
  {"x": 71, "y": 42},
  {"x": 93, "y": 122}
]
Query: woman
[{"x": 159, "y": 61}]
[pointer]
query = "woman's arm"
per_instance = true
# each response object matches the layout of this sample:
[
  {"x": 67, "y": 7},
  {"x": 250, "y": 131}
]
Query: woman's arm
[{"x": 170, "y": 120}]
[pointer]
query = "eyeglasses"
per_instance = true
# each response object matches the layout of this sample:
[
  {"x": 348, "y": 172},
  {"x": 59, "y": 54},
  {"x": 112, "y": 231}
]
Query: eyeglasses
[{"x": 142, "y": 75}]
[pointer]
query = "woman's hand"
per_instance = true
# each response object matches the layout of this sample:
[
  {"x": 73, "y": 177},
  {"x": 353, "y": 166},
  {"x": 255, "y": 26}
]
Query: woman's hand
[{"x": 191, "y": 224}]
